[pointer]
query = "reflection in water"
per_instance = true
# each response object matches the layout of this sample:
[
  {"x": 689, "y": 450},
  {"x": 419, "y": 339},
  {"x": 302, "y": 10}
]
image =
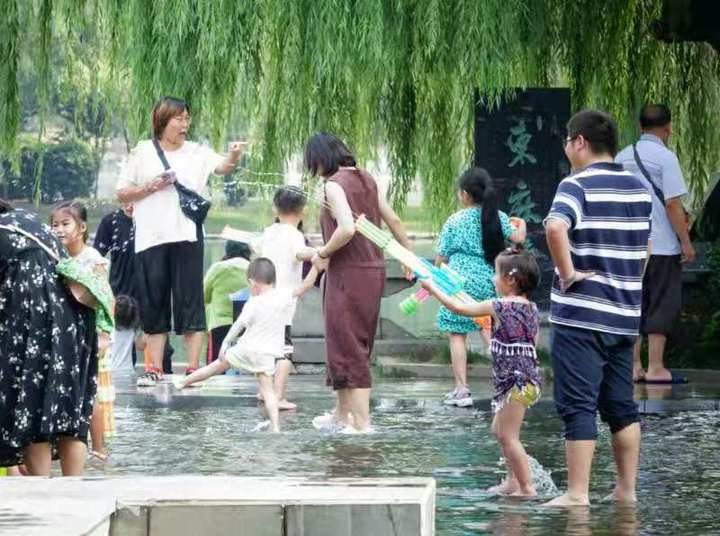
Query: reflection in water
[
  {"x": 347, "y": 459},
  {"x": 679, "y": 483}
]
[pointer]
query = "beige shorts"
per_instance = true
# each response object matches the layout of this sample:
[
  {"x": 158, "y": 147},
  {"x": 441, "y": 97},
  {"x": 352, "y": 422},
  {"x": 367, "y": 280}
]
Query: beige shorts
[{"x": 250, "y": 361}]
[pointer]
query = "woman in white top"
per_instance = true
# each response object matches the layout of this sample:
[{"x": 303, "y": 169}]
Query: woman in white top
[{"x": 168, "y": 245}]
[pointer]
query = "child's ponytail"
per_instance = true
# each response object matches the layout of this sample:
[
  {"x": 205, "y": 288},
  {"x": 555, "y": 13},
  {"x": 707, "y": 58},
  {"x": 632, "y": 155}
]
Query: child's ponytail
[{"x": 478, "y": 185}]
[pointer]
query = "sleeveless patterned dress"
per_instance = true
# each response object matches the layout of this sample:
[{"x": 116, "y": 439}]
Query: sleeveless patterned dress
[{"x": 516, "y": 371}]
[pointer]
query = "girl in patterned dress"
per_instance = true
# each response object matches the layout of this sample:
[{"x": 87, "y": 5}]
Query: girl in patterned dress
[
  {"x": 516, "y": 374},
  {"x": 469, "y": 242},
  {"x": 69, "y": 223}
]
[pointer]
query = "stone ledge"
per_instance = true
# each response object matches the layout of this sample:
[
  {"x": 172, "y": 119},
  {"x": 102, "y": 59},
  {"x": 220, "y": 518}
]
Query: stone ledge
[{"x": 160, "y": 506}]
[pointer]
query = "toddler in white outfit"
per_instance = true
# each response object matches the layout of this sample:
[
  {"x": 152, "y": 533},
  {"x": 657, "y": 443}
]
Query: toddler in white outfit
[{"x": 263, "y": 319}]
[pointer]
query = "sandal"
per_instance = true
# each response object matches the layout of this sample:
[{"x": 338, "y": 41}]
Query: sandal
[{"x": 150, "y": 378}]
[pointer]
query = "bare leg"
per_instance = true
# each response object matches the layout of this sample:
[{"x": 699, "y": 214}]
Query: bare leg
[
  {"x": 359, "y": 400},
  {"x": 344, "y": 406},
  {"x": 97, "y": 436},
  {"x": 193, "y": 345},
  {"x": 507, "y": 431},
  {"x": 155, "y": 346},
  {"x": 638, "y": 371},
  {"x": 579, "y": 456},
  {"x": 509, "y": 484},
  {"x": 626, "y": 448},
  {"x": 72, "y": 456},
  {"x": 656, "y": 350},
  {"x": 38, "y": 459},
  {"x": 282, "y": 371},
  {"x": 265, "y": 384},
  {"x": 458, "y": 355},
  {"x": 213, "y": 369}
]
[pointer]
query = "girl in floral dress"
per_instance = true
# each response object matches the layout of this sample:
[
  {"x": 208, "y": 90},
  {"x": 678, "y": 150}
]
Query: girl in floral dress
[
  {"x": 69, "y": 223},
  {"x": 516, "y": 374},
  {"x": 469, "y": 242},
  {"x": 48, "y": 351}
]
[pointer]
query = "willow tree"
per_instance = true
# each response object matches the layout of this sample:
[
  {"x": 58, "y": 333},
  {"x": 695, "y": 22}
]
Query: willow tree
[{"x": 401, "y": 74}]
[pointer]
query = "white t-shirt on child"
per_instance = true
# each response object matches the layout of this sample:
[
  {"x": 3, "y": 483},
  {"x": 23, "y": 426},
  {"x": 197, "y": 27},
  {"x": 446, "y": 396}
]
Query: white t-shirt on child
[
  {"x": 158, "y": 217},
  {"x": 281, "y": 243},
  {"x": 264, "y": 318},
  {"x": 90, "y": 258}
]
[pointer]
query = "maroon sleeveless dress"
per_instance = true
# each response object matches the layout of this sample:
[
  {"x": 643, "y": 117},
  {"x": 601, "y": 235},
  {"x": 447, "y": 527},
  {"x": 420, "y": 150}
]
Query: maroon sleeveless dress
[{"x": 354, "y": 284}]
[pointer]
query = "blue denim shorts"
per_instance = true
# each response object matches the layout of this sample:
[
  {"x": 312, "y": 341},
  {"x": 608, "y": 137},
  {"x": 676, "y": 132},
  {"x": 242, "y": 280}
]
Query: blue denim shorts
[{"x": 592, "y": 372}]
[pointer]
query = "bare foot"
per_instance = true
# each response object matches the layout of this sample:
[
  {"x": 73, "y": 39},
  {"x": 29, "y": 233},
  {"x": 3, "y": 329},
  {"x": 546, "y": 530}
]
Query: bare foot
[
  {"x": 284, "y": 405},
  {"x": 524, "y": 493},
  {"x": 566, "y": 500},
  {"x": 638, "y": 374},
  {"x": 624, "y": 498},
  {"x": 506, "y": 487},
  {"x": 658, "y": 374},
  {"x": 101, "y": 455},
  {"x": 179, "y": 383}
]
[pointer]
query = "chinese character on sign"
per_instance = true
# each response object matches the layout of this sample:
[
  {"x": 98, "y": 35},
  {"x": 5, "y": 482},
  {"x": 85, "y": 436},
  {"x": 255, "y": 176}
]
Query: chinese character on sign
[{"x": 517, "y": 142}]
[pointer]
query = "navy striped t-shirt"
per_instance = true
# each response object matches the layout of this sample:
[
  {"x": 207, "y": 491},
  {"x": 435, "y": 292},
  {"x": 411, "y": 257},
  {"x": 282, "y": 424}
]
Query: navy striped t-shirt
[{"x": 608, "y": 213}]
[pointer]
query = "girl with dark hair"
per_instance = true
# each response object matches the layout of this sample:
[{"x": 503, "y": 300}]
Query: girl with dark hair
[
  {"x": 69, "y": 223},
  {"x": 469, "y": 242},
  {"x": 516, "y": 371},
  {"x": 48, "y": 352},
  {"x": 168, "y": 244},
  {"x": 354, "y": 277}
]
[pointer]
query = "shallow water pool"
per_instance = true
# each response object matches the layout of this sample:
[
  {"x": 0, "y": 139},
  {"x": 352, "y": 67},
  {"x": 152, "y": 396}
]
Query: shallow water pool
[{"x": 209, "y": 431}]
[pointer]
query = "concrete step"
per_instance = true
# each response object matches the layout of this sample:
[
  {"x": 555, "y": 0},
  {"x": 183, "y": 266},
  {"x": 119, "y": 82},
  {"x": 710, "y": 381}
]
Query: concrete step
[{"x": 216, "y": 506}]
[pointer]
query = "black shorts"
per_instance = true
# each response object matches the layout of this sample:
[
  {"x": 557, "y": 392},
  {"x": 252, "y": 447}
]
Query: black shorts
[
  {"x": 170, "y": 283},
  {"x": 662, "y": 294}
]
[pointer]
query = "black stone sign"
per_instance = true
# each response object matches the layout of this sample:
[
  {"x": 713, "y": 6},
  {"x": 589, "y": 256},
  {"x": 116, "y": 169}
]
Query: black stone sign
[{"x": 521, "y": 144}]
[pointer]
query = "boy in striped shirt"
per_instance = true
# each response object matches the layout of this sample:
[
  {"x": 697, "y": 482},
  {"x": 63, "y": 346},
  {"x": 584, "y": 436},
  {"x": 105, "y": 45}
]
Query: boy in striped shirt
[{"x": 597, "y": 231}]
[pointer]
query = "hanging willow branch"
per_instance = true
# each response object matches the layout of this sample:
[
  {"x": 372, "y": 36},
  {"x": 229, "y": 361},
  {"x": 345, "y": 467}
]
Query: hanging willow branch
[{"x": 399, "y": 74}]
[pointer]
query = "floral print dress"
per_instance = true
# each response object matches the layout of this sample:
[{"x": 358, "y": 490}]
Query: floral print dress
[
  {"x": 48, "y": 344},
  {"x": 460, "y": 241}
]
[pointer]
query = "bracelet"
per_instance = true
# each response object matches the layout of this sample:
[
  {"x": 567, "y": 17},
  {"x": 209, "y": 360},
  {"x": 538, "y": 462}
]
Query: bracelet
[{"x": 322, "y": 256}]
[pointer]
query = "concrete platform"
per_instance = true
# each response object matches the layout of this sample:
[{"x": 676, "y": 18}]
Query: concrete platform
[{"x": 215, "y": 506}]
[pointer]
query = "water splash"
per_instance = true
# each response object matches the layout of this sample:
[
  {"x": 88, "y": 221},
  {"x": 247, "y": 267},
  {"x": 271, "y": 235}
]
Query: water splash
[{"x": 541, "y": 479}]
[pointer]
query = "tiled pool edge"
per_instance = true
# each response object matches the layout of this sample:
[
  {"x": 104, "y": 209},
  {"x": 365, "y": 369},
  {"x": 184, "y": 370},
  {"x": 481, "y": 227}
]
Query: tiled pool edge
[{"x": 215, "y": 505}]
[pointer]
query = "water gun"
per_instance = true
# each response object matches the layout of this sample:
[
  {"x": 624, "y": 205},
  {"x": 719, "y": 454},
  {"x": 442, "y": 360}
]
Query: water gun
[
  {"x": 443, "y": 277},
  {"x": 106, "y": 394}
]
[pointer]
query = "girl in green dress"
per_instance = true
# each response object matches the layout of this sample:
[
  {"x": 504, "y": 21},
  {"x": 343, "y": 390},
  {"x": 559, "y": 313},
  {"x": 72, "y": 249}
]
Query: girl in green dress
[{"x": 469, "y": 242}]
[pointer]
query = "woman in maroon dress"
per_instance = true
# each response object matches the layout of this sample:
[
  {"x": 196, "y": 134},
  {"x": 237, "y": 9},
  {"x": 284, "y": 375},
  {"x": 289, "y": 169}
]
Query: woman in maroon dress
[{"x": 354, "y": 276}]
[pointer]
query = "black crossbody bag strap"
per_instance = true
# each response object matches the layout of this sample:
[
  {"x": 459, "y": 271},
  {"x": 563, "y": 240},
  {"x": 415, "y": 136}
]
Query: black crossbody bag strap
[
  {"x": 160, "y": 153},
  {"x": 658, "y": 191}
]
